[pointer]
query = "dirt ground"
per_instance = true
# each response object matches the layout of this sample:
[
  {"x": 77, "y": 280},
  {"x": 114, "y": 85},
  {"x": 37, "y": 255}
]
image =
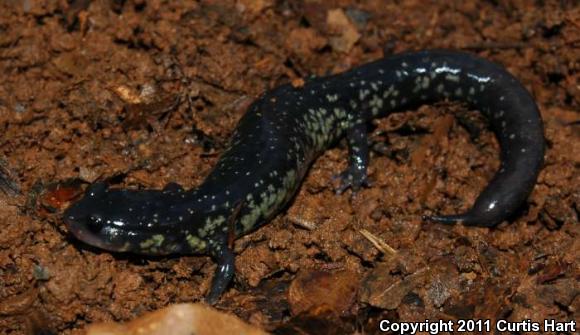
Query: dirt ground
[{"x": 148, "y": 92}]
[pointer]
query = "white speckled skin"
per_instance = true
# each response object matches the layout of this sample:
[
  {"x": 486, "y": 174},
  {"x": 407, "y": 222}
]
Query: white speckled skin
[{"x": 282, "y": 133}]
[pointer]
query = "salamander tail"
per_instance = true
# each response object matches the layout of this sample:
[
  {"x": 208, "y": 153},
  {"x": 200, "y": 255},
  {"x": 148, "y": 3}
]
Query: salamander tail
[
  {"x": 449, "y": 219},
  {"x": 470, "y": 218}
]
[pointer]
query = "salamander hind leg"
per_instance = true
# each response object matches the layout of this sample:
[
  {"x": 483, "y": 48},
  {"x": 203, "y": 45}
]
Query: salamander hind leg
[
  {"x": 355, "y": 176},
  {"x": 224, "y": 257}
]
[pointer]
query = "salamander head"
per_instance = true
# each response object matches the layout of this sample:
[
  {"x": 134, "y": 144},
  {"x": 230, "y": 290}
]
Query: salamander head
[
  {"x": 143, "y": 222},
  {"x": 89, "y": 220}
]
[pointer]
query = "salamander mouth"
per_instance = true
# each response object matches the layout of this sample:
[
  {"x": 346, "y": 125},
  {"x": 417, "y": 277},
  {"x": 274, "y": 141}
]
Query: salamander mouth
[{"x": 82, "y": 233}]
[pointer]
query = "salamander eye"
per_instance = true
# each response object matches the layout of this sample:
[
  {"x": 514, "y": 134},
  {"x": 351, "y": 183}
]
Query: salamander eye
[{"x": 95, "y": 223}]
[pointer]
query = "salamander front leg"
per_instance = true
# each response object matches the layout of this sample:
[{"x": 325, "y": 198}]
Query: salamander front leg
[
  {"x": 224, "y": 273},
  {"x": 355, "y": 176}
]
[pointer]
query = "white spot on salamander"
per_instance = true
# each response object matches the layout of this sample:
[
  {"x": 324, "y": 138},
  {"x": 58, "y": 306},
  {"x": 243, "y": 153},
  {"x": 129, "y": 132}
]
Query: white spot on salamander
[
  {"x": 363, "y": 94},
  {"x": 332, "y": 97},
  {"x": 389, "y": 91},
  {"x": 452, "y": 77},
  {"x": 426, "y": 82}
]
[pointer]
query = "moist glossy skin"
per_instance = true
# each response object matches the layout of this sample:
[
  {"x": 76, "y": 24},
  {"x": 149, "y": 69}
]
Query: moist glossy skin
[{"x": 287, "y": 128}]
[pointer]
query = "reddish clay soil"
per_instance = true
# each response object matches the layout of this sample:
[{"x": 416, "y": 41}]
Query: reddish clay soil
[{"x": 149, "y": 92}]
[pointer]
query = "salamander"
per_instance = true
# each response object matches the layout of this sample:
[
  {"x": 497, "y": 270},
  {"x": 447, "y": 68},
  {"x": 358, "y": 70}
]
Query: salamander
[{"x": 287, "y": 128}]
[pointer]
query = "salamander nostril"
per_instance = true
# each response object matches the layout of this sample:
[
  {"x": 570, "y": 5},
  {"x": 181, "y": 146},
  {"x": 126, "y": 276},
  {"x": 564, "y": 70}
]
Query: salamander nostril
[{"x": 95, "y": 223}]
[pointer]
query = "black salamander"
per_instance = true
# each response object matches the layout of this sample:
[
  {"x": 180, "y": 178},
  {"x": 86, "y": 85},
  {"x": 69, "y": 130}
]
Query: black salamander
[{"x": 286, "y": 129}]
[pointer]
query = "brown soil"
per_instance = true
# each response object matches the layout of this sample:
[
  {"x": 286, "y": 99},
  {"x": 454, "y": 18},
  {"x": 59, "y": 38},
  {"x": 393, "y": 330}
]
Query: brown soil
[{"x": 113, "y": 88}]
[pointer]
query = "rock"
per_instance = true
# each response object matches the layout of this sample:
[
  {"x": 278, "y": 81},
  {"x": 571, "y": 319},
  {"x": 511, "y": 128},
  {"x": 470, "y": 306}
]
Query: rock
[{"x": 180, "y": 319}]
